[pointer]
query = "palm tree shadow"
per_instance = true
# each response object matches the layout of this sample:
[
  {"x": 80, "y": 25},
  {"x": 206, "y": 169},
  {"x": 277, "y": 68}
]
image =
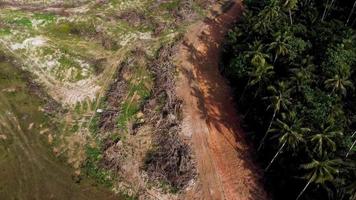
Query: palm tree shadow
[{"x": 215, "y": 99}]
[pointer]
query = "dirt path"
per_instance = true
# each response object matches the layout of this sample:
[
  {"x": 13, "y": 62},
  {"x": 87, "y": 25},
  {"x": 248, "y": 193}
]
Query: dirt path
[{"x": 210, "y": 121}]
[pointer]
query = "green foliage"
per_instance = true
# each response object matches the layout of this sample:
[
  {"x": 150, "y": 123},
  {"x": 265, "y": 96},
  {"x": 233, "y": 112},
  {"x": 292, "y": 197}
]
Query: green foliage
[
  {"x": 66, "y": 29},
  {"x": 23, "y": 21},
  {"x": 129, "y": 109},
  {"x": 292, "y": 65}
]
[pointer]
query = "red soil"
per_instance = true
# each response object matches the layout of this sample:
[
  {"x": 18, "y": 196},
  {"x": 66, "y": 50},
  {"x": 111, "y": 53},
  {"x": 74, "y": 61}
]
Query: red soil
[{"x": 210, "y": 122}]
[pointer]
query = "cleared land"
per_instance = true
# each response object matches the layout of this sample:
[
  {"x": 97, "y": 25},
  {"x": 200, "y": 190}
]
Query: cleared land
[{"x": 77, "y": 53}]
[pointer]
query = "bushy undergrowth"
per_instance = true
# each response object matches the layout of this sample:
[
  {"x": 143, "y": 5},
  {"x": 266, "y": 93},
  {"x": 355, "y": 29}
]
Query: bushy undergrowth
[{"x": 293, "y": 66}]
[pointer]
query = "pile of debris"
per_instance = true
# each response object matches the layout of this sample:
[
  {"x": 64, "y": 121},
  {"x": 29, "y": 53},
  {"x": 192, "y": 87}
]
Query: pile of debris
[{"x": 170, "y": 160}]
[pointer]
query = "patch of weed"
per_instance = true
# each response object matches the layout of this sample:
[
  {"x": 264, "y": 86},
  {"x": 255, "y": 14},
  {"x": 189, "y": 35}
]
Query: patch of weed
[
  {"x": 64, "y": 61},
  {"x": 5, "y": 31},
  {"x": 66, "y": 29},
  {"x": 125, "y": 196},
  {"x": 94, "y": 124},
  {"x": 48, "y": 17},
  {"x": 139, "y": 91},
  {"x": 170, "y": 5},
  {"x": 129, "y": 109},
  {"x": 23, "y": 21}
]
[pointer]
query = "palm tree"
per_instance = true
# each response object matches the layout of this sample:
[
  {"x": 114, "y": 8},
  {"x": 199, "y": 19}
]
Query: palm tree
[
  {"x": 290, "y": 5},
  {"x": 339, "y": 83},
  {"x": 291, "y": 134},
  {"x": 331, "y": 5},
  {"x": 351, "y": 190},
  {"x": 327, "y": 9},
  {"x": 351, "y": 12},
  {"x": 280, "y": 45},
  {"x": 260, "y": 68},
  {"x": 301, "y": 77},
  {"x": 352, "y": 146},
  {"x": 258, "y": 57},
  {"x": 324, "y": 139},
  {"x": 320, "y": 172},
  {"x": 279, "y": 99},
  {"x": 268, "y": 16},
  {"x": 260, "y": 73}
]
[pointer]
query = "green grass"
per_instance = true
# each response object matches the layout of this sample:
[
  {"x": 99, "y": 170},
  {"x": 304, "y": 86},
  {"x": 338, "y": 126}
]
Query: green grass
[
  {"x": 65, "y": 29},
  {"x": 170, "y": 5},
  {"x": 48, "y": 17},
  {"x": 23, "y": 21},
  {"x": 94, "y": 125},
  {"x": 92, "y": 169},
  {"x": 129, "y": 109},
  {"x": 139, "y": 91},
  {"x": 94, "y": 156},
  {"x": 68, "y": 62}
]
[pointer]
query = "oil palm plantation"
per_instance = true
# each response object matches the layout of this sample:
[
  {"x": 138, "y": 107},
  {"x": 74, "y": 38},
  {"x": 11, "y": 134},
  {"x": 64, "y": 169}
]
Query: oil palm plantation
[
  {"x": 340, "y": 83},
  {"x": 280, "y": 46},
  {"x": 305, "y": 66},
  {"x": 324, "y": 140}
]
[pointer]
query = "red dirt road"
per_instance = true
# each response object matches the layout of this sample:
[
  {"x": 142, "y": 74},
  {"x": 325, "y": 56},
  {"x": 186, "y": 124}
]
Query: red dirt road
[{"x": 210, "y": 123}]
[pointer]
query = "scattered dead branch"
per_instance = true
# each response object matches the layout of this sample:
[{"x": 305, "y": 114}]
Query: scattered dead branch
[
  {"x": 132, "y": 17},
  {"x": 113, "y": 155},
  {"x": 170, "y": 161},
  {"x": 114, "y": 96}
]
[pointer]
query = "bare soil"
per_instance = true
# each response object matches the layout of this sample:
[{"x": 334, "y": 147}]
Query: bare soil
[{"x": 210, "y": 121}]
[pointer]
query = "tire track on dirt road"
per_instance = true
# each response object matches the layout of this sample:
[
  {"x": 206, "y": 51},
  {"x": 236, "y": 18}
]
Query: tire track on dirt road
[{"x": 224, "y": 163}]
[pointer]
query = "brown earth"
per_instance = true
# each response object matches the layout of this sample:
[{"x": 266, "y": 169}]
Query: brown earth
[{"x": 210, "y": 122}]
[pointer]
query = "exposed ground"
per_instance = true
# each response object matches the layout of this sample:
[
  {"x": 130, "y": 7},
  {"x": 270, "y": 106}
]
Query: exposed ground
[{"x": 225, "y": 166}]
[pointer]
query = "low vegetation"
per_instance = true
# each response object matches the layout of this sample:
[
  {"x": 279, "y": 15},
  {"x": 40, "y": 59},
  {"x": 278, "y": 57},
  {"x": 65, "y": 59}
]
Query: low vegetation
[{"x": 293, "y": 66}]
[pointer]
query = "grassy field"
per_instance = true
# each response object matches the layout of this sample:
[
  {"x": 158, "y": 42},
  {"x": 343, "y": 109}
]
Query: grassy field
[{"x": 28, "y": 167}]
